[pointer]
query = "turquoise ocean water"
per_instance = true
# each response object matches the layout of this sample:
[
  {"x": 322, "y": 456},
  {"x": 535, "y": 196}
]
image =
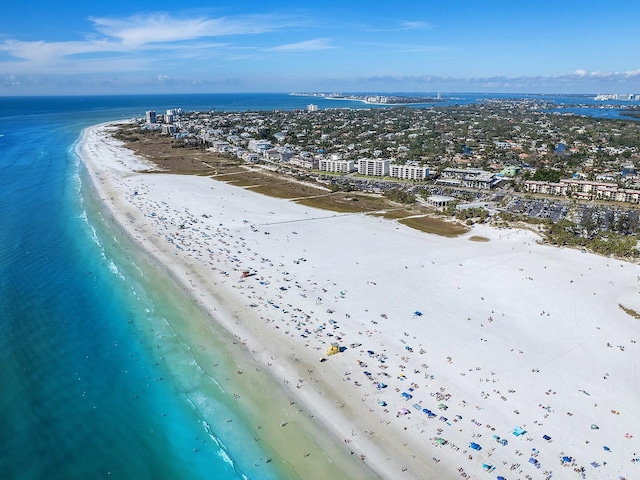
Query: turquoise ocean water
[
  {"x": 88, "y": 355},
  {"x": 97, "y": 379}
]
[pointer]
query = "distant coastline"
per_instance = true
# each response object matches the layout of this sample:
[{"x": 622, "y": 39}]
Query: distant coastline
[{"x": 376, "y": 99}]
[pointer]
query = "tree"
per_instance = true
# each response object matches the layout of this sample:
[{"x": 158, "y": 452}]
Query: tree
[{"x": 548, "y": 175}]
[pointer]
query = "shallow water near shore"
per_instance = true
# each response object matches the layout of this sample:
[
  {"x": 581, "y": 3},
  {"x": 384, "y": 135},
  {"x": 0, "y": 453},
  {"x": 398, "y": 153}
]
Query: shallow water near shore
[
  {"x": 96, "y": 382},
  {"x": 109, "y": 368}
]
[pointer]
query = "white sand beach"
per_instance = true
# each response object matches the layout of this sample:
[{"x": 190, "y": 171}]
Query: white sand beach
[{"x": 488, "y": 336}]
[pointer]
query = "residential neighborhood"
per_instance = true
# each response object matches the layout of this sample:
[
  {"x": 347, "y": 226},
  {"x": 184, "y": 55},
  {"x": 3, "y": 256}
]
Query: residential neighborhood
[
  {"x": 495, "y": 154},
  {"x": 481, "y": 146}
]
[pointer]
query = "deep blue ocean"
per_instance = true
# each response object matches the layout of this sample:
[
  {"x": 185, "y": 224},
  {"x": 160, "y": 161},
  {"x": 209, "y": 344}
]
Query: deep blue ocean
[{"x": 88, "y": 348}]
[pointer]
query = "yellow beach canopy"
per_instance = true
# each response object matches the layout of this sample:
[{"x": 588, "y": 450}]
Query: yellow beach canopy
[{"x": 333, "y": 349}]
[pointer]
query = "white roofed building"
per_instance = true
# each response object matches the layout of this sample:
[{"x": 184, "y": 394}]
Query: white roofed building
[
  {"x": 339, "y": 166},
  {"x": 408, "y": 172},
  {"x": 259, "y": 146},
  {"x": 373, "y": 167}
]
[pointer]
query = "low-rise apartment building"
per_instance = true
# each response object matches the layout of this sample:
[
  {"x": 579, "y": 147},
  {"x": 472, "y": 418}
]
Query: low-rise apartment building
[
  {"x": 304, "y": 162},
  {"x": 409, "y": 172},
  {"x": 583, "y": 189}
]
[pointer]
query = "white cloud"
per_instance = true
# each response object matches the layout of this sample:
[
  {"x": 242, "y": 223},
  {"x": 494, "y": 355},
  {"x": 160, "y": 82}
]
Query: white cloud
[
  {"x": 407, "y": 25},
  {"x": 158, "y": 28},
  {"x": 414, "y": 25},
  {"x": 601, "y": 74},
  {"x": 577, "y": 82},
  {"x": 604, "y": 74},
  {"x": 50, "y": 51},
  {"x": 125, "y": 44},
  {"x": 305, "y": 46}
]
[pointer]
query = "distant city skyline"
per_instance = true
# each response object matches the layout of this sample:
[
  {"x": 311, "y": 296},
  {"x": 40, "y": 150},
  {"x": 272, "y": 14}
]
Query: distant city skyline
[{"x": 69, "y": 47}]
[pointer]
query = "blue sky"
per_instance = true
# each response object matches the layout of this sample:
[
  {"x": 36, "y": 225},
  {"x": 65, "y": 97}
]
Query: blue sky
[{"x": 529, "y": 46}]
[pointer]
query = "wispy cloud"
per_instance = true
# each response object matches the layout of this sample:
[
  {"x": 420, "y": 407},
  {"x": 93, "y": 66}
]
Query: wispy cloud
[
  {"x": 126, "y": 44},
  {"x": 158, "y": 28},
  {"x": 414, "y": 24},
  {"x": 403, "y": 25},
  {"x": 304, "y": 46},
  {"x": 413, "y": 47}
]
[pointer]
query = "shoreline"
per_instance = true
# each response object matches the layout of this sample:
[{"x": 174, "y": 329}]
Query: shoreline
[
  {"x": 430, "y": 317},
  {"x": 222, "y": 313}
]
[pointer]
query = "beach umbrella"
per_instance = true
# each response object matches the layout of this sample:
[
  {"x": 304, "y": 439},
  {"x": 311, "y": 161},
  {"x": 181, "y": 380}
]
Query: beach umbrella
[
  {"x": 566, "y": 459},
  {"x": 518, "y": 431},
  {"x": 500, "y": 477}
]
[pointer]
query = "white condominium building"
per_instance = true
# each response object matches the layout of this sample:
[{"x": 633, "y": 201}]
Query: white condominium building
[
  {"x": 373, "y": 167},
  {"x": 340, "y": 166},
  {"x": 409, "y": 172}
]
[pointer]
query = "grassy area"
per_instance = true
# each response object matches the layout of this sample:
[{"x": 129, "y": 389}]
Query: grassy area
[
  {"x": 436, "y": 226},
  {"x": 171, "y": 156},
  {"x": 629, "y": 311},
  {"x": 397, "y": 213},
  {"x": 346, "y": 202},
  {"x": 478, "y": 238},
  {"x": 272, "y": 184}
]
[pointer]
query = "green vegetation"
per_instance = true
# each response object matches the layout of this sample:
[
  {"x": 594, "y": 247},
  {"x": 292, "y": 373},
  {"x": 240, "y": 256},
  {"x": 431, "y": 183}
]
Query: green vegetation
[
  {"x": 548, "y": 175},
  {"x": 566, "y": 233},
  {"x": 475, "y": 215},
  {"x": 400, "y": 196}
]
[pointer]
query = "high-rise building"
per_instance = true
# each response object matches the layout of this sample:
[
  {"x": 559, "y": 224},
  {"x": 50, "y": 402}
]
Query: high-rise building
[{"x": 151, "y": 116}]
